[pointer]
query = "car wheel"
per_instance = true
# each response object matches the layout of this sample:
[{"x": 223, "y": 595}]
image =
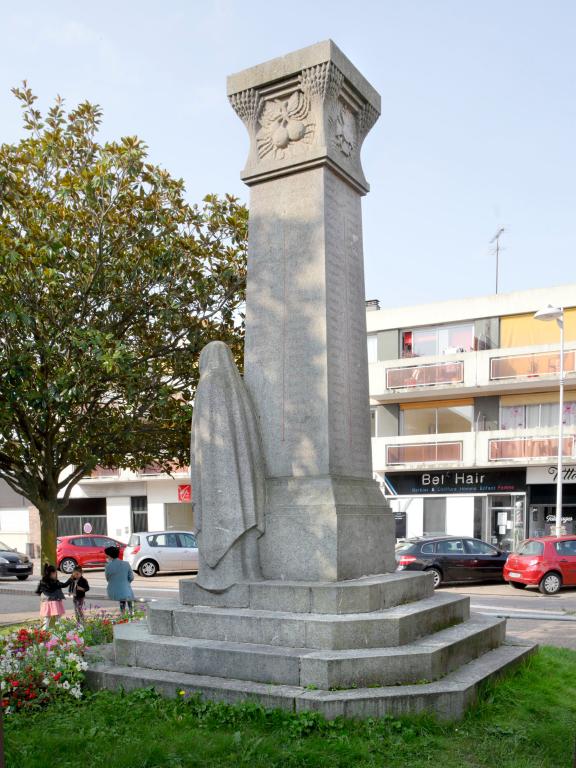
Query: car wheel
[
  {"x": 23, "y": 577},
  {"x": 68, "y": 564},
  {"x": 148, "y": 568},
  {"x": 550, "y": 583},
  {"x": 517, "y": 585},
  {"x": 437, "y": 576}
]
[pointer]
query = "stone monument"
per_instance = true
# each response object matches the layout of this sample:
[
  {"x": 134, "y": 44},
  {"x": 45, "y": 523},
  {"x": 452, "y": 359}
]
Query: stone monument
[
  {"x": 305, "y": 364},
  {"x": 296, "y": 589},
  {"x": 228, "y": 474}
]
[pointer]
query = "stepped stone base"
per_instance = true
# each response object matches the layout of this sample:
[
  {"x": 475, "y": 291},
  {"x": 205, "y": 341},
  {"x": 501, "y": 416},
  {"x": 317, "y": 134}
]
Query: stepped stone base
[
  {"x": 448, "y": 698},
  {"x": 369, "y": 593},
  {"x": 377, "y": 645}
]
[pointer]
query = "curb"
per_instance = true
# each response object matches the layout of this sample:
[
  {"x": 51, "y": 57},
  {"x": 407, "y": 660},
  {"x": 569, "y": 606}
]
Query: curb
[
  {"x": 93, "y": 595},
  {"x": 32, "y": 593}
]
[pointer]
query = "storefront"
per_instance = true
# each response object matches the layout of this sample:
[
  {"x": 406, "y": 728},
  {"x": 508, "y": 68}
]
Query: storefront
[
  {"x": 83, "y": 516},
  {"x": 541, "y": 486},
  {"x": 485, "y": 503}
]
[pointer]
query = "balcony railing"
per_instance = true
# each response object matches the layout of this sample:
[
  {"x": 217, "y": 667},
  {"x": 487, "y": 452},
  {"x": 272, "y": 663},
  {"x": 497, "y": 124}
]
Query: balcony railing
[
  {"x": 102, "y": 472},
  {"x": 425, "y": 375},
  {"x": 506, "y": 449},
  {"x": 414, "y": 453},
  {"x": 530, "y": 366},
  {"x": 153, "y": 470}
]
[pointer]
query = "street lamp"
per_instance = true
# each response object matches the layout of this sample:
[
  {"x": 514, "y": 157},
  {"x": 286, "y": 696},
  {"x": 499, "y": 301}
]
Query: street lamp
[{"x": 557, "y": 313}]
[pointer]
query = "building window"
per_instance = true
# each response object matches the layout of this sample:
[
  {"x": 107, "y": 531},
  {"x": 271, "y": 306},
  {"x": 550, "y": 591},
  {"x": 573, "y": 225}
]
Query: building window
[
  {"x": 534, "y": 415},
  {"x": 372, "y": 348},
  {"x": 437, "y": 420},
  {"x": 434, "y": 521},
  {"x": 438, "y": 340},
  {"x": 139, "y": 509},
  {"x": 373, "y": 417}
]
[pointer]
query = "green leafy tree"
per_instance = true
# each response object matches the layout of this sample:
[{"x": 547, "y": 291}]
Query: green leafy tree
[{"x": 110, "y": 285}]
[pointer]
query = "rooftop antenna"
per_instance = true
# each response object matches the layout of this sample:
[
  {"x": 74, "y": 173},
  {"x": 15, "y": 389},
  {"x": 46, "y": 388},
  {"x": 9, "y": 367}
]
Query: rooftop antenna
[{"x": 496, "y": 239}]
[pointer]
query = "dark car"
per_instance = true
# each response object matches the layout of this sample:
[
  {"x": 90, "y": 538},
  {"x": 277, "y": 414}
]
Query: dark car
[
  {"x": 452, "y": 558},
  {"x": 14, "y": 563}
]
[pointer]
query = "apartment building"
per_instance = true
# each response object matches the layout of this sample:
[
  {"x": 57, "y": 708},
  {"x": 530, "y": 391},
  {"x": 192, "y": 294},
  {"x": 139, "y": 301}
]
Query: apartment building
[
  {"x": 119, "y": 502},
  {"x": 465, "y": 409},
  {"x": 113, "y": 502},
  {"x": 464, "y": 403}
]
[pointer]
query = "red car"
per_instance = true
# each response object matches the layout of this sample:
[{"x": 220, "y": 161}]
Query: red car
[
  {"x": 87, "y": 551},
  {"x": 548, "y": 562}
]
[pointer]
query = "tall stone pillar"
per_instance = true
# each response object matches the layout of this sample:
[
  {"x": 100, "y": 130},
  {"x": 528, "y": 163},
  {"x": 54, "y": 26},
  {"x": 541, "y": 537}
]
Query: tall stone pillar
[{"x": 306, "y": 366}]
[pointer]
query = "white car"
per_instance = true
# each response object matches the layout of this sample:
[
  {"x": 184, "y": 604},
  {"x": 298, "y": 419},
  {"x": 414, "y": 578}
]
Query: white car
[{"x": 151, "y": 551}]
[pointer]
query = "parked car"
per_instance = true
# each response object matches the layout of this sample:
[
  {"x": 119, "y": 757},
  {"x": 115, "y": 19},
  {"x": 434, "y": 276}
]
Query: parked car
[
  {"x": 548, "y": 562},
  {"x": 87, "y": 551},
  {"x": 151, "y": 551},
  {"x": 452, "y": 558},
  {"x": 13, "y": 563}
]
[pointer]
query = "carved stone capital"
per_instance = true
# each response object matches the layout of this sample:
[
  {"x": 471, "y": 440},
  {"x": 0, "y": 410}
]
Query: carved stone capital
[{"x": 306, "y": 109}]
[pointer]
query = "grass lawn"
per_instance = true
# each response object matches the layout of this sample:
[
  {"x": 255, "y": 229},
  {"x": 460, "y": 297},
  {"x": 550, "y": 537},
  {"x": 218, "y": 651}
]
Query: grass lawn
[{"x": 527, "y": 720}]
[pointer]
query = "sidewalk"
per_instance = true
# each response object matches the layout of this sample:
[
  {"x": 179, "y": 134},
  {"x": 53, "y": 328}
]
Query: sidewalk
[
  {"x": 163, "y": 585},
  {"x": 18, "y": 609}
]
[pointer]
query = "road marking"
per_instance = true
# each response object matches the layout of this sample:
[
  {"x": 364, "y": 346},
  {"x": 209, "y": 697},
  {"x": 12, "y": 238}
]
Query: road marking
[{"x": 520, "y": 610}]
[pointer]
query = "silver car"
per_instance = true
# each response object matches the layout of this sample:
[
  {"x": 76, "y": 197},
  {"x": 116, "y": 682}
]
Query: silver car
[{"x": 151, "y": 551}]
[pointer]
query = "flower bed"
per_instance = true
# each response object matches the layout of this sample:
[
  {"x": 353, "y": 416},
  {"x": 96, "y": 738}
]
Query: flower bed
[{"x": 38, "y": 666}]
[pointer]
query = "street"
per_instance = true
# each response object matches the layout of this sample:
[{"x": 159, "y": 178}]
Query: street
[
  {"x": 501, "y": 599},
  {"x": 527, "y": 610}
]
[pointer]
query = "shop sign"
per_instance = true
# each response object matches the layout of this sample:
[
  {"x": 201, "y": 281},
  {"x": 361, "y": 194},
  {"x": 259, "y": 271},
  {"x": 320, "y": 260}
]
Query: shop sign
[
  {"x": 549, "y": 474},
  {"x": 552, "y": 519},
  {"x": 184, "y": 493},
  {"x": 451, "y": 481}
]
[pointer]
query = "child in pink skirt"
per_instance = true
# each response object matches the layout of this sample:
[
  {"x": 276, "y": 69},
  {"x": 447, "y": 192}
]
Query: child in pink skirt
[{"x": 52, "y": 597}]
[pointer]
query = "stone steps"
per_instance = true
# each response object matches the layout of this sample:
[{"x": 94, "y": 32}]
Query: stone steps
[
  {"x": 363, "y": 595},
  {"x": 428, "y": 658},
  {"x": 391, "y": 627},
  {"x": 448, "y": 698}
]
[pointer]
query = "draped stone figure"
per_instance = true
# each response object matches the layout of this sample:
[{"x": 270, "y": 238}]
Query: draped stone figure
[{"x": 228, "y": 474}]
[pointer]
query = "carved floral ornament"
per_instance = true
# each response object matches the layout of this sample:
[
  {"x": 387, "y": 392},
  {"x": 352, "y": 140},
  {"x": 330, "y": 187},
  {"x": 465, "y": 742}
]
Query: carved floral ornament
[
  {"x": 344, "y": 130},
  {"x": 283, "y": 124}
]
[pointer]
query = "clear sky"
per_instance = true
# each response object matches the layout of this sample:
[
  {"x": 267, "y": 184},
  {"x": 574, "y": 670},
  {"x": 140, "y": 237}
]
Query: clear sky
[{"x": 478, "y": 126}]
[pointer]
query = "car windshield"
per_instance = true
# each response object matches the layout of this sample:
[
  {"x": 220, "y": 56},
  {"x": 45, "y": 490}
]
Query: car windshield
[
  {"x": 531, "y": 548},
  {"x": 134, "y": 540},
  {"x": 5, "y": 547}
]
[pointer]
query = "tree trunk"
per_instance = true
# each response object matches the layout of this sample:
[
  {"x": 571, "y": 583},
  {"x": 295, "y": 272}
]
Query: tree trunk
[{"x": 48, "y": 531}]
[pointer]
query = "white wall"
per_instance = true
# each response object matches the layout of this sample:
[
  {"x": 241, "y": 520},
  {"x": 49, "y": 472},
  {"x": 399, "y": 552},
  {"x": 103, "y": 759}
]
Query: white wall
[
  {"x": 460, "y": 515},
  {"x": 15, "y": 528},
  {"x": 117, "y": 494},
  {"x": 414, "y": 516},
  {"x": 496, "y": 305},
  {"x": 118, "y": 514},
  {"x": 160, "y": 492},
  {"x": 16, "y": 541},
  {"x": 96, "y": 489}
]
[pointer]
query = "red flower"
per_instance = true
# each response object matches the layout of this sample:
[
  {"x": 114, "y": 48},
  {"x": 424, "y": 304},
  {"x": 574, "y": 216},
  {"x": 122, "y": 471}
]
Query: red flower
[{"x": 57, "y": 676}]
